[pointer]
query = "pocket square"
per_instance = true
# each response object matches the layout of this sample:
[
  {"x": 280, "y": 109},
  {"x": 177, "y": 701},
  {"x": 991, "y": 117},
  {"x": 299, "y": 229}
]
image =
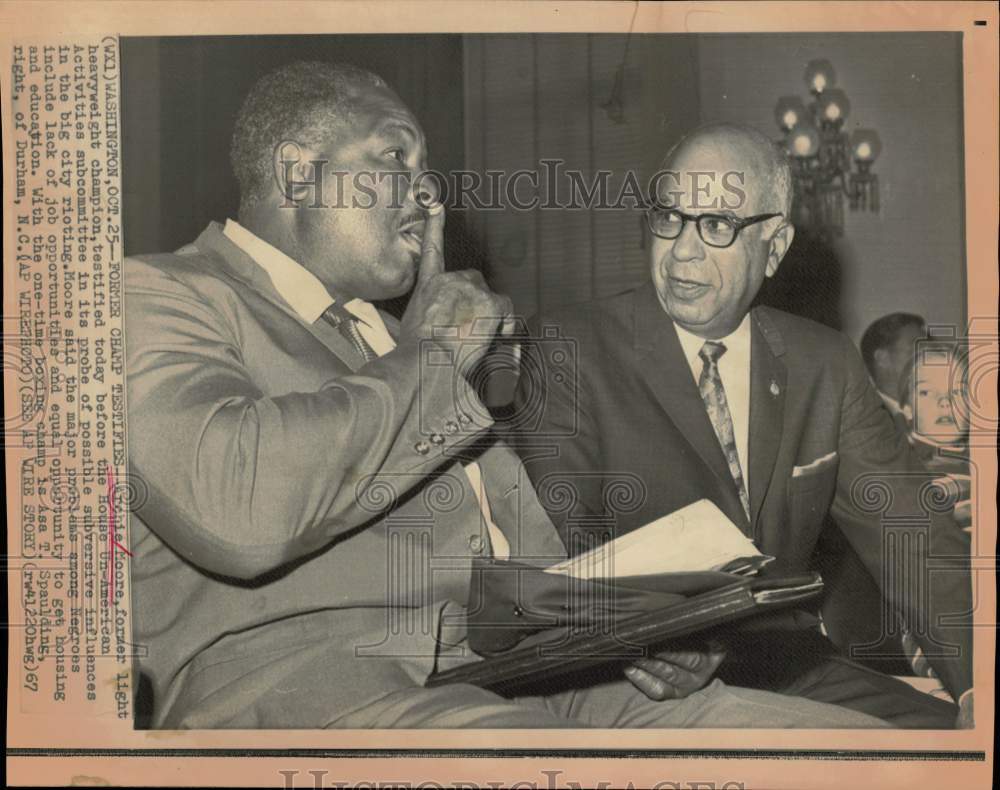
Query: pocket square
[{"x": 798, "y": 471}]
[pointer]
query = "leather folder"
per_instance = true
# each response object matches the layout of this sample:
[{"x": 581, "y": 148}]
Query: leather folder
[{"x": 538, "y": 629}]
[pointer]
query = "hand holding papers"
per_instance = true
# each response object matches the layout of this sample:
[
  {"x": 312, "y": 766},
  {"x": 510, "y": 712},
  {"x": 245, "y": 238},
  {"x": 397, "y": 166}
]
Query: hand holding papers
[{"x": 678, "y": 576}]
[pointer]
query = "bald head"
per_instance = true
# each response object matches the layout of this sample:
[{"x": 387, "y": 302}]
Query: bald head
[
  {"x": 747, "y": 159},
  {"x": 721, "y": 227}
]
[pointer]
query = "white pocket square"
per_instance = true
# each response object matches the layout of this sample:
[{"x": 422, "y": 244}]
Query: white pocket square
[{"x": 798, "y": 471}]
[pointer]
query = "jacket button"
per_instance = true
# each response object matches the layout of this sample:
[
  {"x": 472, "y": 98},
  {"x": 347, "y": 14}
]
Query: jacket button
[
  {"x": 476, "y": 544},
  {"x": 422, "y": 447},
  {"x": 450, "y": 427},
  {"x": 436, "y": 438}
]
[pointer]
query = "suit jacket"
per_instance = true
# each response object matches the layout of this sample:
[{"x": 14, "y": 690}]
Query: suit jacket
[
  {"x": 614, "y": 434},
  {"x": 295, "y": 502}
]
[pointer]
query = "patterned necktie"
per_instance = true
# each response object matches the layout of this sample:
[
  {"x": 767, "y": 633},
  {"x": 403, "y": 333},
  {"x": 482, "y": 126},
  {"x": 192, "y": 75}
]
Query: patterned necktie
[
  {"x": 714, "y": 396},
  {"x": 347, "y": 325}
]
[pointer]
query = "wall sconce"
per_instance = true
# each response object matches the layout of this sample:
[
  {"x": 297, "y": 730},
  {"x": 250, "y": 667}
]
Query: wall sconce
[
  {"x": 827, "y": 164},
  {"x": 866, "y": 146}
]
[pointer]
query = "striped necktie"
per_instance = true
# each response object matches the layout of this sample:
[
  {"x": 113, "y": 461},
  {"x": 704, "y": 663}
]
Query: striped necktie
[
  {"x": 714, "y": 396},
  {"x": 347, "y": 325}
]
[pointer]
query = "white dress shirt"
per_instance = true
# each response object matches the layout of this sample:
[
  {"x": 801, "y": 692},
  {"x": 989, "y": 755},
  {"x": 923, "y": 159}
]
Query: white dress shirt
[
  {"x": 308, "y": 297},
  {"x": 304, "y": 292},
  {"x": 734, "y": 370}
]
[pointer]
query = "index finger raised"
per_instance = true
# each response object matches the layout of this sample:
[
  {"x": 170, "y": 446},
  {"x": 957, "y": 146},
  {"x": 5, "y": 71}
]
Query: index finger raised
[{"x": 432, "y": 247}]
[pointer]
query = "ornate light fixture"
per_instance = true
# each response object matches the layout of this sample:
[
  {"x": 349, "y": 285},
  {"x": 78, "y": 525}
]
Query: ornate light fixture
[{"x": 827, "y": 163}]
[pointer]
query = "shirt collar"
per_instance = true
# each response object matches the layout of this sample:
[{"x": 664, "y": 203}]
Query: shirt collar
[
  {"x": 737, "y": 342},
  {"x": 891, "y": 403},
  {"x": 365, "y": 311},
  {"x": 298, "y": 286}
]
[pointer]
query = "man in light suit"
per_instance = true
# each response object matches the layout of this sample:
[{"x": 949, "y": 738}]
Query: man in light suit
[
  {"x": 683, "y": 388},
  {"x": 317, "y": 478}
]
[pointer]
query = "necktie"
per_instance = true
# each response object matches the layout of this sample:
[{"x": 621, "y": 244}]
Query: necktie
[
  {"x": 347, "y": 325},
  {"x": 714, "y": 396}
]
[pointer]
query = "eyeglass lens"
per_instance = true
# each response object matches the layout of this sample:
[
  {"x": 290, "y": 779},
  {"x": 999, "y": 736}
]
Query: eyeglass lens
[{"x": 713, "y": 230}]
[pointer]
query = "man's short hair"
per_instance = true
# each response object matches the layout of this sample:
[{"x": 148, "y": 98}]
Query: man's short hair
[
  {"x": 883, "y": 332},
  {"x": 299, "y": 101},
  {"x": 773, "y": 160}
]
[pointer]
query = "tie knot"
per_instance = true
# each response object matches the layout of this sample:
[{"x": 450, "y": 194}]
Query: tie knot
[
  {"x": 711, "y": 351},
  {"x": 335, "y": 314},
  {"x": 347, "y": 325}
]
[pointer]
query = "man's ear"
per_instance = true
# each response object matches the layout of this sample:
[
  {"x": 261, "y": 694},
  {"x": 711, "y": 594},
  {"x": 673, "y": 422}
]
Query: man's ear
[
  {"x": 294, "y": 167},
  {"x": 778, "y": 246}
]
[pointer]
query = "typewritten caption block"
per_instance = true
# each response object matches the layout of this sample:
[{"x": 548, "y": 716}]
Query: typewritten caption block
[{"x": 65, "y": 420}]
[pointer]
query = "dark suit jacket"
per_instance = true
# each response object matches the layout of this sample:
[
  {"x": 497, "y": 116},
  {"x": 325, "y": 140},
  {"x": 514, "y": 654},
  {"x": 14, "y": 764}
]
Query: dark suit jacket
[
  {"x": 300, "y": 522},
  {"x": 614, "y": 434}
]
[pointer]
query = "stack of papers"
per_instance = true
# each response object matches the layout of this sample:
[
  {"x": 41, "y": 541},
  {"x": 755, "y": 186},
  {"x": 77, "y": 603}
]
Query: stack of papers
[{"x": 698, "y": 537}]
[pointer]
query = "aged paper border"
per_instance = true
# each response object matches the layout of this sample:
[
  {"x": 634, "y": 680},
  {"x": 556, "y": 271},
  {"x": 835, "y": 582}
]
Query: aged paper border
[{"x": 755, "y": 758}]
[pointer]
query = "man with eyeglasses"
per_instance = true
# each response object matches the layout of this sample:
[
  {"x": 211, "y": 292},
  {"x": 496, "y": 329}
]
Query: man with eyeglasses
[
  {"x": 320, "y": 482},
  {"x": 696, "y": 393}
]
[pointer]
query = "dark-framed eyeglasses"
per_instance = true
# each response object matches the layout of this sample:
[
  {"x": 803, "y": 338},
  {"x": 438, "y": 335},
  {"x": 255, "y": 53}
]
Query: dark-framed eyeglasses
[{"x": 716, "y": 230}]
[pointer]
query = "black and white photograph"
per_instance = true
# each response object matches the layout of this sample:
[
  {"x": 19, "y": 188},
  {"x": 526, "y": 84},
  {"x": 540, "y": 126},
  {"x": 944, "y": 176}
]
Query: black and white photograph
[
  {"x": 443, "y": 309},
  {"x": 527, "y": 394}
]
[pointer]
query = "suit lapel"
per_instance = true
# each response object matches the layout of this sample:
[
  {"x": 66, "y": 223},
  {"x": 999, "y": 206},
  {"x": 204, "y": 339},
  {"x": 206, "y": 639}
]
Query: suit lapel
[
  {"x": 242, "y": 267},
  {"x": 768, "y": 384},
  {"x": 666, "y": 371}
]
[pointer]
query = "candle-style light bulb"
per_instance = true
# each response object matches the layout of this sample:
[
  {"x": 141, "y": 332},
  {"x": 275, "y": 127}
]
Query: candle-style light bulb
[
  {"x": 820, "y": 76},
  {"x": 803, "y": 141},
  {"x": 866, "y": 145},
  {"x": 788, "y": 112}
]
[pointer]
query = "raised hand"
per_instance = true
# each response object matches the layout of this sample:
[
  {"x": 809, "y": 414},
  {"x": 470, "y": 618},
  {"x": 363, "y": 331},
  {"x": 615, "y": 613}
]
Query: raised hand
[{"x": 458, "y": 304}]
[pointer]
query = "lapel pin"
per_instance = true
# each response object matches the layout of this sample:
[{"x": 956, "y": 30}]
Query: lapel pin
[{"x": 775, "y": 389}]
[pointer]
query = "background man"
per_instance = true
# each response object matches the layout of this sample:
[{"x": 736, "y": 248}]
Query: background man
[
  {"x": 772, "y": 417},
  {"x": 853, "y": 610},
  {"x": 887, "y": 345},
  {"x": 319, "y": 476}
]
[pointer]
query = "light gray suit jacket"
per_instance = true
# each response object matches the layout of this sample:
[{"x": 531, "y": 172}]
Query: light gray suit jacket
[{"x": 302, "y": 530}]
